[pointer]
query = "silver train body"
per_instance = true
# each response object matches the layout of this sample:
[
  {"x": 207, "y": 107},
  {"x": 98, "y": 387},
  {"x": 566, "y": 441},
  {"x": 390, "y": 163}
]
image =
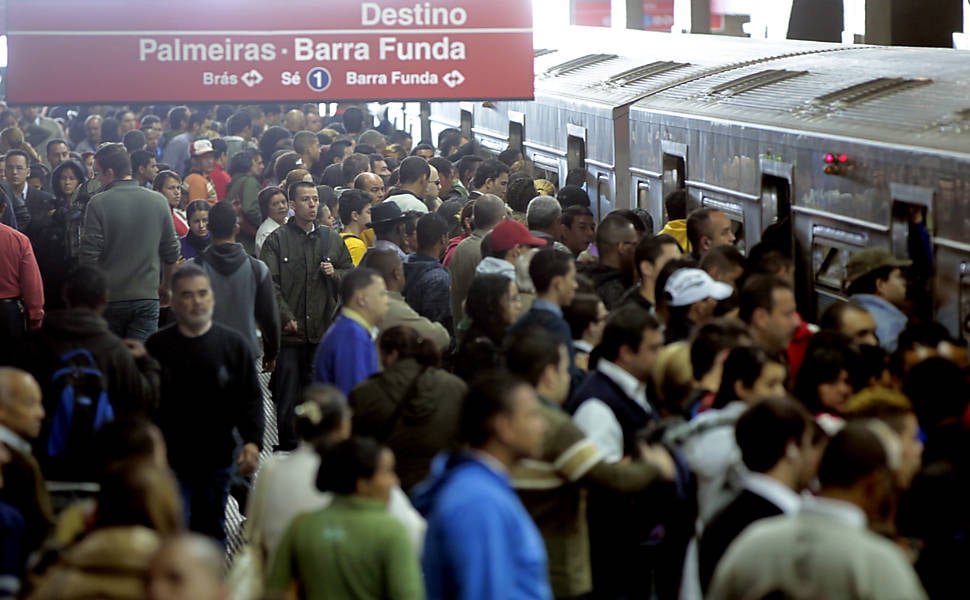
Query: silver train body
[{"x": 846, "y": 140}]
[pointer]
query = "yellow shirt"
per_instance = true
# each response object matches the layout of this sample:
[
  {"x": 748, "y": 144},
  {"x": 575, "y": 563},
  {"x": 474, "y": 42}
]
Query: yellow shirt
[{"x": 356, "y": 246}]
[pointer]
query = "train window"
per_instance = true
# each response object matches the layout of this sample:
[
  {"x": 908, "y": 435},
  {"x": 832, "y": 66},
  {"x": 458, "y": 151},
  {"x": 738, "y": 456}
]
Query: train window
[
  {"x": 545, "y": 167},
  {"x": 643, "y": 194},
  {"x": 575, "y": 153},
  {"x": 775, "y": 199},
  {"x": 605, "y": 194},
  {"x": 467, "y": 122},
  {"x": 911, "y": 227},
  {"x": 515, "y": 135},
  {"x": 674, "y": 174},
  {"x": 831, "y": 250}
]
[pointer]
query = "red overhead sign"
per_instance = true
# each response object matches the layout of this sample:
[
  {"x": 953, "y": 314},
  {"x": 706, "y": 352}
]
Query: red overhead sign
[{"x": 99, "y": 51}]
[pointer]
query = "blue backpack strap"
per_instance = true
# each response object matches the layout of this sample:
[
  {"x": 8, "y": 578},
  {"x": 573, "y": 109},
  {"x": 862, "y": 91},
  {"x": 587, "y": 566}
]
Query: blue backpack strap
[
  {"x": 83, "y": 352},
  {"x": 61, "y": 422}
]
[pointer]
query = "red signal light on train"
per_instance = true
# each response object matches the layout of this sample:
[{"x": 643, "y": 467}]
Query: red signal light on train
[
  {"x": 843, "y": 158},
  {"x": 829, "y": 159}
]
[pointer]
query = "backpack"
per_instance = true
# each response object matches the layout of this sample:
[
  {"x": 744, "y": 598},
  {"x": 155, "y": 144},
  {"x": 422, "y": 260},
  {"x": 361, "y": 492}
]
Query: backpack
[{"x": 82, "y": 407}]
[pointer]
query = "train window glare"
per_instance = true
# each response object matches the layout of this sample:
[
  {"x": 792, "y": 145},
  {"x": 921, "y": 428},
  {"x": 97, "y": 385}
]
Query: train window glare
[
  {"x": 575, "y": 153},
  {"x": 643, "y": 195},
  {"x": 605, "y": 195},
  {"x": 828, "y": 265}
]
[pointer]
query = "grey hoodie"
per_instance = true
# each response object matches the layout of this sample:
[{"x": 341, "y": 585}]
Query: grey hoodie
[{"x": 244, "y": 295}]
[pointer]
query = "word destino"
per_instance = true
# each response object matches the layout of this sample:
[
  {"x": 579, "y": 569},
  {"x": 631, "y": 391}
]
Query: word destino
[{"x": 308, "y": 49}]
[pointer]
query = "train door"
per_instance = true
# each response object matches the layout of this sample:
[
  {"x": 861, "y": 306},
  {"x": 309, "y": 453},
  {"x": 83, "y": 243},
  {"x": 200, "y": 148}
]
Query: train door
[
  {"x": 467, "y": 119},
  {"x": 910, "y": 238},
  {"x": 674, "y": 176},
  {"x": 831, "y": 249},
  {"x": 547, "y": 167}
]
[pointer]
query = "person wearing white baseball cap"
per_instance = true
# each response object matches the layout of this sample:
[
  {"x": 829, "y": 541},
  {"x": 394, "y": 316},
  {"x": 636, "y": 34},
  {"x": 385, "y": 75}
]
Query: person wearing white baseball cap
[
  {"x": 692, "y": 295},
  {"x": 198, "y": 180}
]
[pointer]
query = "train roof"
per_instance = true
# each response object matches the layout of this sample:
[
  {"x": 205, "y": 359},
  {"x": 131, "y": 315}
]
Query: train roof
[
  {"x": 614, "y": 68},
  {"x": 893, "y": 95}
]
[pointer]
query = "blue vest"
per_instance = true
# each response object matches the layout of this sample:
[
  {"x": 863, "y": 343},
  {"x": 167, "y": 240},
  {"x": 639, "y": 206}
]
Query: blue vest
[{"x": 631, "y": 416}]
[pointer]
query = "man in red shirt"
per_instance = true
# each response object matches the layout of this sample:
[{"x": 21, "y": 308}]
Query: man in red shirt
[{"x": 21, "y": 290}]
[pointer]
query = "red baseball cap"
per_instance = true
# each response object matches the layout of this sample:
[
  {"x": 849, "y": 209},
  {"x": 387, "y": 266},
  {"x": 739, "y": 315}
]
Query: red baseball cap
[{"x": 508, "y": 234}]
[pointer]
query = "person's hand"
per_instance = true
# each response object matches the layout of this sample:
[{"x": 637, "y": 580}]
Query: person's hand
[
  {"x": 291, "y": 327},
  {"x": 248, "y": 459},
  {"x": 136, "y": 348},
  {"x": 164, "y": 296},
  {"x": 268, "y": 365},
  {"x": 326, "y": 267},
  {"x": 659, "y": 457}
]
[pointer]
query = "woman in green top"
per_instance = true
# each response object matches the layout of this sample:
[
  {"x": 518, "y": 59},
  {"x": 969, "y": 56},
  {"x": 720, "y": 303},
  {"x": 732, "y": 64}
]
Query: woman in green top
[{"x": 352, "y": 549}]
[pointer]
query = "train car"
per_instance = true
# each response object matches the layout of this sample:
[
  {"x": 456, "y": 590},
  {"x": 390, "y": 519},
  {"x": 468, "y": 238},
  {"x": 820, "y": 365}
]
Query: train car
[
  {"x": 857, "y": 144},
  {"x": 586, "y": 81}
]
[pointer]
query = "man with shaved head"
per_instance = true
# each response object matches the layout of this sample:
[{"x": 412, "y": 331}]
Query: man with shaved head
[
  {"x": 295, "y": 121},
  {"x": 21, "y": 418},
  {"x": 187, "y": 567},
  {"x": 372, "y": 184},
  {"x": 616, "y": 241}
]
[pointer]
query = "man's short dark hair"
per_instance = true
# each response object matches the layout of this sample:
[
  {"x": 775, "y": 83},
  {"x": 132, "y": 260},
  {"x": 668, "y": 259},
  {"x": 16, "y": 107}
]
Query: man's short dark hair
[
  {"x": 353, "y": 120},
  {"x": 852, "y": 455},
  {"x": 356, "y": 280},
  {"x": 354, "y": 165},
  {"x": 676, "y": 205},
  {"x": 376, "y": 158},
  {"x": 177, "y": 116},
  {"x": 140, "y": 158},
  {"x": 134, "y": 140},
  {"x": 196, "y": 118},
  {"x": 222, "y": 220},
  {"x": 291, "y": 191},
  {"x": 449, "y": 140},
  {"x": 573, "y": 195},
  {"x": 625, "y": 327},
  {"x": 422, "y": 146},
  {"x": 546, "y": 265},
  {"x": 467, "y": 164},
  {"x": 336, "y": 150},
  {"x": 238, "y": 122},
  {"x": 149, "y": 120},
  {"x": 650, "y": 247},
  {"x": 723, "y": 257},
  {"x": 712, "y": 338},
  {"x": 53, "y": 143},
  {"x": 412, "y": 169},
  {"x": 21, "y": 153},
  {"x": 831, "y": 319},
  {"x": 113, "y": 157},
  {"x": 85, "y": 287},
  {"x": 764, "y": 431},
  {"x": 757, "y": 292},
  {"x": 444, "y": 166},
  {"x": 347, "y": 462},
  {"x": 430, "y": 229},
  {"x": 697, "y": 224},
  {"x": 569, "y": 215},
  {"x": 220, "y": 147},
  {"x": 488, "y": 397},
  {"x": 302, "y": 140},
  {"x": 529, "y": 351},
  {"x": 489, "y": 169},
  {"x": 188, "y": 270},
  {"x": 352, "y": 201}
]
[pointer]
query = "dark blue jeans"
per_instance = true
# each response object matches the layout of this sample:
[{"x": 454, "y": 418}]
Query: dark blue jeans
[
  {"x": 135, "y": 319},
  {"x": 204, "y": 495}
]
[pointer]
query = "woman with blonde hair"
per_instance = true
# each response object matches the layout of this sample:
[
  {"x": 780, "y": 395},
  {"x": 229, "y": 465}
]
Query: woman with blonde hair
[
  {"x": 138, "y": 506},
  {"x": 12, "y": 138}
]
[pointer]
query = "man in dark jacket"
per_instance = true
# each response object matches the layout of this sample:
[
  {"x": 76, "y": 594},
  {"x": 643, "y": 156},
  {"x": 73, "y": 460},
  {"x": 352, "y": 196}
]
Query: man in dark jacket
[
  {"x": 306, "y": 262},
  {"x": 616, "y": 240},
  {"x": 553, "y": 274},
  {"x": 428, "y": 287},
  {"x": 243, "y": 288},
  {"x": 131, "y": 377}
]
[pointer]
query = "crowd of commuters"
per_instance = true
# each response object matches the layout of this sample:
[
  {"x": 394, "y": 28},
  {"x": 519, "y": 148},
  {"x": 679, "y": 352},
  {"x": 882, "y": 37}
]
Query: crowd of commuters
[{"x": 480, "y": 390}]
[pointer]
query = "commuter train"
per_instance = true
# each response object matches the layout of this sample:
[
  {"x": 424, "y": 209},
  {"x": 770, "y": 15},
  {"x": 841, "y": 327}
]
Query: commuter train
[{"x": 846, "y": 141}]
